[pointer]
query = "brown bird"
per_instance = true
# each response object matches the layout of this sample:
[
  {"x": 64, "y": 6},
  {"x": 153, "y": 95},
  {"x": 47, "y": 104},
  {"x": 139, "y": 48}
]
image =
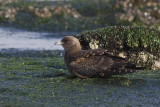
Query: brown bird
[{"x": 92, "y": 63}]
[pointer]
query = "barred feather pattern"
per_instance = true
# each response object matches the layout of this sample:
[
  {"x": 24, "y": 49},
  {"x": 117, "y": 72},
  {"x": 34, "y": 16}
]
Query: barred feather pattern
[
  {"x": 96, "y": 63},
  {"x": 92, "y": 63}
]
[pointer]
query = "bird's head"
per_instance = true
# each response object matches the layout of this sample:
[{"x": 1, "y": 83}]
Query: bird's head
[{"x": 70, "y": 43}]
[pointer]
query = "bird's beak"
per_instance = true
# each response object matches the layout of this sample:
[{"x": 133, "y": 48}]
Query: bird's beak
[{"x": 58, "y": 43}]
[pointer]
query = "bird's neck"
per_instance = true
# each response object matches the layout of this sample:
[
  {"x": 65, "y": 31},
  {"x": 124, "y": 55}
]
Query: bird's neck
[{"x": 70, "y": 52}]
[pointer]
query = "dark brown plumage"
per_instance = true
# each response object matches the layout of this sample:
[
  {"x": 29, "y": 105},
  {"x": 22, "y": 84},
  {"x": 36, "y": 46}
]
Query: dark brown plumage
[{"x": 92, "y": 63}]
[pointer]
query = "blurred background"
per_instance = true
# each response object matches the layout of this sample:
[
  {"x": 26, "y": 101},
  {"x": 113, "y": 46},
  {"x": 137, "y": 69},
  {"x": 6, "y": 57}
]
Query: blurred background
[{"x": 78, "y": 15}]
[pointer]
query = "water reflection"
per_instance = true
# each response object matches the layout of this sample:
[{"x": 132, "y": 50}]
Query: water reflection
[{"x": 24, "y": 40}]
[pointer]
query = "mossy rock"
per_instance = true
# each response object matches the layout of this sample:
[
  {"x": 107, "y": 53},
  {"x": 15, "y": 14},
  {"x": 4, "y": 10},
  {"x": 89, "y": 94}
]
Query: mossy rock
[{"x": 140, "y": 45}]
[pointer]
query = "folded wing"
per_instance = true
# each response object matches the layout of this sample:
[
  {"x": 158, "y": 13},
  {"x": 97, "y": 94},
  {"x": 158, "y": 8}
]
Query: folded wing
[{"x": 97, "y": 63}]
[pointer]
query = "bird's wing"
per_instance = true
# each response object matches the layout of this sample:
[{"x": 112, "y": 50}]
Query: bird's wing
[{"x": 95, "y": 62}]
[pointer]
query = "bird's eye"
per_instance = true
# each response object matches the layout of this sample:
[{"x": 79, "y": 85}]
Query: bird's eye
[{"x": 65, "y": 40}]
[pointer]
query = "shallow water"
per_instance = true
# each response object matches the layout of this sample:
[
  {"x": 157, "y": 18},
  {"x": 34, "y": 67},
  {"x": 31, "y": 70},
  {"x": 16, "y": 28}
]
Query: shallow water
[{"x": 26, "y": 40}]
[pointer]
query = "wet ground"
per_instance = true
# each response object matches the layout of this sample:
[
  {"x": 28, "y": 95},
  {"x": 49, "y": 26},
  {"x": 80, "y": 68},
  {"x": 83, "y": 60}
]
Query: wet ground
[{"x": 32, "y": 78}]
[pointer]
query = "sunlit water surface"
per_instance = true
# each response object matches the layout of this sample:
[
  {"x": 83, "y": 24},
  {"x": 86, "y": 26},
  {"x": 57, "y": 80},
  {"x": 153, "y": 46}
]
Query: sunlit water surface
[{"x": 25, "y": 40}]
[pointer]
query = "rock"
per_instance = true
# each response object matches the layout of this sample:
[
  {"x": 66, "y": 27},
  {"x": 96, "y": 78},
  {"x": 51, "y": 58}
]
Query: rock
[{"x": 140, "y": 45}]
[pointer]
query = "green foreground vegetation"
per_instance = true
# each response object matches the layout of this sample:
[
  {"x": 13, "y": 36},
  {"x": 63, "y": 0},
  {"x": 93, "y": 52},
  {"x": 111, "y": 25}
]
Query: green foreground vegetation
[{"x": 40, "y": 79}]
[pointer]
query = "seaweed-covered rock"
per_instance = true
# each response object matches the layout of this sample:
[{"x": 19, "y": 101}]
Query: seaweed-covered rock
[{"x": 141, "y": 45}]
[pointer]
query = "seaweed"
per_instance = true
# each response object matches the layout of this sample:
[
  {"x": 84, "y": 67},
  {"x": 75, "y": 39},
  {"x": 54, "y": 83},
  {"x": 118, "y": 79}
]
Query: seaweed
[{"x": 141, "y": 45}]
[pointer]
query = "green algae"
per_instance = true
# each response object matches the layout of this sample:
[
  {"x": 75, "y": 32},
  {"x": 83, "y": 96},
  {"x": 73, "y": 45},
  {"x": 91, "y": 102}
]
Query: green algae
[
  {"x": 123, "y": 38},
  {"x": 32, "y": 80},
  {"x": 140, "y": 45}
]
